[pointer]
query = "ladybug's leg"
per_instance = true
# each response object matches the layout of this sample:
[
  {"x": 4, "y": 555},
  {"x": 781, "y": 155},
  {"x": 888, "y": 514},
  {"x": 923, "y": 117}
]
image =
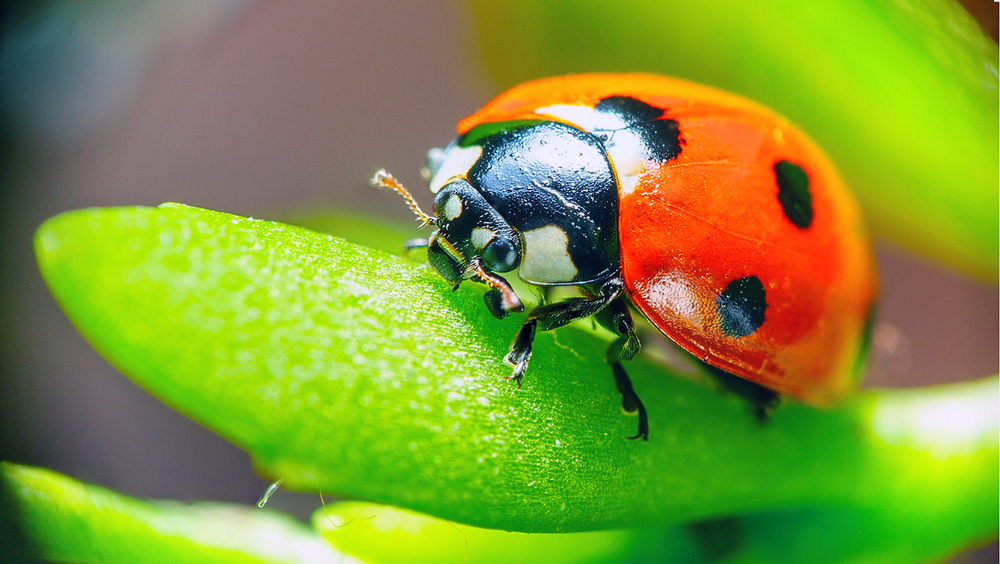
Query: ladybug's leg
[
  {"x": 763, "y": 401},
  {"x": 617, "y": 319},
  {"x": 550, "y": 316},
  {"x": 410, "y": 244}
]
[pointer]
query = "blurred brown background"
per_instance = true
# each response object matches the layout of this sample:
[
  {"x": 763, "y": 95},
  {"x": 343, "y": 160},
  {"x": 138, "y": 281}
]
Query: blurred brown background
[{"x": 263, "y": 108}]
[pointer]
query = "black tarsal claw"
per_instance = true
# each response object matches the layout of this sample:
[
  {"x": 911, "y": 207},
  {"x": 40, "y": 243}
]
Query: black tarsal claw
[
  {"x": 519, "y": 360},
  {"x": 630, "y": 400},
  {"x": 520, "y": 350}
]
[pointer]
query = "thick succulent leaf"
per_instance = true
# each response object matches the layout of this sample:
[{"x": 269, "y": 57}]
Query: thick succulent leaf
[
  {"x": 387, "y": 535},
  {"x": 384, "y": 535},
  {"x": 347, "y": 370},
  {"x": 903, "y": 95},
  {"x": 62, "y": 520},
  {"x": 373, "y": 232}
]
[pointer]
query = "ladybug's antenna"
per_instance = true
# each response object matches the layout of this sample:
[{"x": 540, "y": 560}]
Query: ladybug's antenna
[{"x": 383, "y": 179}]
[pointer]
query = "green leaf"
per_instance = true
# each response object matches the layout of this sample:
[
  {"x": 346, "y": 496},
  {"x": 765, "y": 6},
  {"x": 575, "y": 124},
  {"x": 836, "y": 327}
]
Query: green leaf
[
  {"x": 63, "y": 520},
  {"x": 903, "y": 95},
  {"x": 387, "y": 535},
  {"x": 347, "y": 370},
  {"x": 373, "y": 232}
]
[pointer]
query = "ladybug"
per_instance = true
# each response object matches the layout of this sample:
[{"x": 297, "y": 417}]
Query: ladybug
[{"x": 713, "y": 217}]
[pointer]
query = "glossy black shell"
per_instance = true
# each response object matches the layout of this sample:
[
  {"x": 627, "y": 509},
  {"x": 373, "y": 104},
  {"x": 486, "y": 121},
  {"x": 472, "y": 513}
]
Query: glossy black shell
[{"x": 538, "y": 174}]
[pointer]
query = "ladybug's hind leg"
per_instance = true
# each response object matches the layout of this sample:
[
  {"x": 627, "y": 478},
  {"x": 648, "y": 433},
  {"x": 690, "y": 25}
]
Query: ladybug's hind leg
[
  {"x": 763, "y": 401},
  {"x": 617, "y": 319}
]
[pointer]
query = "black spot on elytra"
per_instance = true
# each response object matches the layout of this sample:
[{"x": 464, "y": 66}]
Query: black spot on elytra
[
  {"x": 793, "y": 193},
  {"x": 629, "y": 109},
  {"x": 741, "y": 306},
  {"x": 660, "y": 138}
]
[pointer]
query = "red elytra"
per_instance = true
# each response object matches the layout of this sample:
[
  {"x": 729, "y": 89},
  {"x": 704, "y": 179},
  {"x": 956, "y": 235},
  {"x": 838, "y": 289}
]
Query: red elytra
[{"x": 690, "y": 226}]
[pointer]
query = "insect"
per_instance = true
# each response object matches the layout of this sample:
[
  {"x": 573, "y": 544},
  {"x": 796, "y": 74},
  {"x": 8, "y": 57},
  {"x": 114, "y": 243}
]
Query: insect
[{"x": 710, "y": 215}]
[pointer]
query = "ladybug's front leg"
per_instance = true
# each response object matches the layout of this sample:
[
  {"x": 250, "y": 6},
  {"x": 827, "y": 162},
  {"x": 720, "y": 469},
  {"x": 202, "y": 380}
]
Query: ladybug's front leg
[
  {"x": 617, "y": 319},
  {"x": 550, "y": 316},
  {"x": 520, "y": 349}
]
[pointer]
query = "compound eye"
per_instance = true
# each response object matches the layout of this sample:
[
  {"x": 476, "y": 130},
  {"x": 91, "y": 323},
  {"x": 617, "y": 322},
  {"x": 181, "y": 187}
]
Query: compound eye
[
  {"x": 500, "y": 255},
  {"x": 443, "y": 263}
]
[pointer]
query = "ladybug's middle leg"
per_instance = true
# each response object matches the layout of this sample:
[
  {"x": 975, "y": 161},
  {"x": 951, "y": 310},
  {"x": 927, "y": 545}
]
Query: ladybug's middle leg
[
  {"x": 550, "y": 316},
  {"x": 617, "y": 319}
]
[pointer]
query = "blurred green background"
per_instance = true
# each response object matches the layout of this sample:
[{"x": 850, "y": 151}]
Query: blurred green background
[{"x": 272, "y": 109}]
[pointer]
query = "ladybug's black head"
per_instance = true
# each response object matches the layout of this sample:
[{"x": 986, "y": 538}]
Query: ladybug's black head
[
  {"x": 472, "y": 241},
  {"x": 544, "y": 189},
  {"x": 470, "y": 233}
]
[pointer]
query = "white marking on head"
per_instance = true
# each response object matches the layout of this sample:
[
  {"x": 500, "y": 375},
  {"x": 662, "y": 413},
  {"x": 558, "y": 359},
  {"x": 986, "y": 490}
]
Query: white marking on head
[
  {"x": 453, "y": 207},
  {"x": 481, "y": 237},
  {"x": 546, "y": 257},
  {"x": 455, "y": 162}
]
